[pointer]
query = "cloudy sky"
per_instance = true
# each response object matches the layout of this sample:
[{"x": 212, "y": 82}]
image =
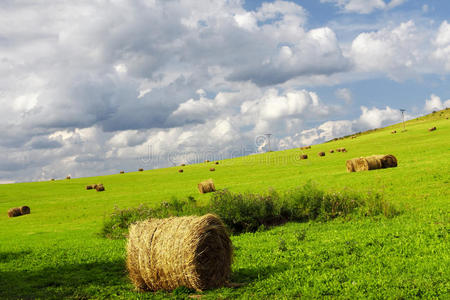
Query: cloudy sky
[{"x": 92, "y": 87}]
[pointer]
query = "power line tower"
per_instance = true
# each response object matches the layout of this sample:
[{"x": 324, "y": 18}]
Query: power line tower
[
  {"x": 268, "y": 135},
  {"x": 403, "y": 117}
]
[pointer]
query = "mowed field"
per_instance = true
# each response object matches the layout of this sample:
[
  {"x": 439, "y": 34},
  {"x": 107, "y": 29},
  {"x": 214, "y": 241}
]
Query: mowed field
[{"x": 57, "y": 251}]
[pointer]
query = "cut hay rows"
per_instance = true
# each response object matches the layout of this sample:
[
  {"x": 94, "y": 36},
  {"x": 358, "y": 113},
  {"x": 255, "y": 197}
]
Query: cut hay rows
[
  {"x": 164, "y": 254},
  {"x": 206, "y": 186},
  {"x": 373, "y": 162}
]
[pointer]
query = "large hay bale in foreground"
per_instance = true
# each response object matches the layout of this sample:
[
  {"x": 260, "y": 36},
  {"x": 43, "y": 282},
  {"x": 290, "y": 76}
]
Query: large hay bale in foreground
[
  {"x": 14, "y": 212},
  {"x": 25, "y": 210},
  {"x": 164, "y": 254},
  {"x": 351, "y": 164},
  {"x": 371, "y": 163},
  {"x": 206, "y": 186}
]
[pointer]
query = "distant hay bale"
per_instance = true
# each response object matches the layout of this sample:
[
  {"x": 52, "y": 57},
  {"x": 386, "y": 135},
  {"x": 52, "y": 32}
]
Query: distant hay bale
[
  {"x": 338, "y": 150},
  {"x": 321, "y": 153},
  {"x": 182, "y": 165},
  {"x": 331, "y": 151},
  {"x": 53, "y": 179},
  {"x": 206, "y": 186},
  {"x": 164, "y": 254},
  {"x": 25, "y": 210},
  {"x": 212, "y": 169},
  {"x": 89, "y": 187},
  {"x": 100, "y": 187},
  {"x": 206, "y": 161},
  {"x": 141, "y": 169},
  {"x": 122, "y": 172},
  {"x": 180, "y": 171},
  {"x": 432, "y": 128},
  {"x": 304, "y": 156},
  {"x": 14, "y": 212},
  {"x": 373, "y": 162},
  {"x": 343, "y": 150},
  {"x": 216, "y": 162},
  {"x": 68, "y": 177},
  {"x": 394, "y": 131},
  {"x": 305, "y": 148}
]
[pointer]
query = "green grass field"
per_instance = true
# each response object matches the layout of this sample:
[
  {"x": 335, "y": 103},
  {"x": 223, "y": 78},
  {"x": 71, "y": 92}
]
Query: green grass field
[{"x": 57, "y": 251}]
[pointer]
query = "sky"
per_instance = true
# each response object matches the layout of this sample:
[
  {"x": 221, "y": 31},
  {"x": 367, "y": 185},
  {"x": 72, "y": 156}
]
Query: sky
[{"x": 92, "y": 87}]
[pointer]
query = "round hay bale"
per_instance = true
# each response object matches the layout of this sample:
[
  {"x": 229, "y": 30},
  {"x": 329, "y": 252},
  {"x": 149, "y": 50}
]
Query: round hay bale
[
  {"x": 304, "y": 156},
  {"x": 206, "y": 186},
  {"x": 331, "y": 151},
  {"x": 53, "y": 179},
  {"x": 14, "y": 212},
  {"x": 164, "y": 254},
  {"x": 182, "y": 165},
  {"x": 432, "y": 129},
  {"x": 180, "y": 171},
  {"x": 100, "y": 187},
  {"x": 216, "y": 162},
  {"x": 321, "y": 153},
  {"x": 368, "y": 163},
  {"x": 68, "y": 177},
  {"x": 141, "y": 169},
  {"x": 212, "y": 169},
  {"x": 89, "y": 187},
  {"x": 394, "y": 131},
  {"x": 122, "y": 172},
  {"x": 351, "y": 165},
  {"x": 343, "y": 150},
  {"x": 388, "y": 161},
  {"x": 206, "y": 161},
  {"x": 25, "y": 210},
  {"x": 338, "y": 150}
]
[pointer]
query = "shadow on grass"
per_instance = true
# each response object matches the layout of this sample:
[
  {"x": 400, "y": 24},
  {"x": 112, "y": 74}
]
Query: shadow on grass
[
  {"x": 74, "y": 281},
  {"x": 6, "y": 257},
  {"x": 247, "y": 275}
]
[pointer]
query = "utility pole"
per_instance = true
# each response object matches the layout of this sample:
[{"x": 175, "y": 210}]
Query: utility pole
[
  {"x": 268, "y": 139},
  {"x": 403, "y": 117}
]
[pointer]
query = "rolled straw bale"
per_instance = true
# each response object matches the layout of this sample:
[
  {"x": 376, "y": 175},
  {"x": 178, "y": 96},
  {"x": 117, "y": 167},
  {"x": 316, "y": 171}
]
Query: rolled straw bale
[
  {"x": 331, "y": 151},
  {"x": 122, "y": 172},
  {"x": 321, "y": 153},
  {"x": 53, "y": 179},
  {"x": 206, "y": 161},
  {"x": 89, "y": 187},
  {"x": 432, "y": 129},
  {"x": 164, "y": 254},
  {"x": 304, "y": 156},
  {"x": 180, "y": 171},
  {"x": 68, "y": 177},
  {"x": 206, "y": 186},
  {"x": 343, "y": 150},
  {"x": 25, "y": 210},
  {"x": 216, "y": 162},
  {"x": 212, "y": 169},
  {"x": 338, "y": 150},
  {"x": 141, "y": 169},
  {"x": 368, "y": 163},
  {"x": 14, "y": 212},
  {"x": 388, "y": 161},
  {"x": 394, "y": 131},
  {"x": 351, "y": 165},
  {"x": 100, "y": 187},
  {"x": 182, "y": 165}
]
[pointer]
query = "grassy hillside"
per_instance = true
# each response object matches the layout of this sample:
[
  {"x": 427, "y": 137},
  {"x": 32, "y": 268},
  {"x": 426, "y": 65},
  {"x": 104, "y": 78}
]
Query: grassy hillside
[{"x": 57, "y": 251}]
